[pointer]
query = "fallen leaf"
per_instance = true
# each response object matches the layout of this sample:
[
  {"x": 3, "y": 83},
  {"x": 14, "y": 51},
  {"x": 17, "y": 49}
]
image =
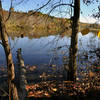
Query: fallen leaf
[{"x": 54, "y": 89}]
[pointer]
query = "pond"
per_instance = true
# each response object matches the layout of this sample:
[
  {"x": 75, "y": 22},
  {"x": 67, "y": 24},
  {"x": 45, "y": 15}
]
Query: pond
[{"x": 48, "y": 50}]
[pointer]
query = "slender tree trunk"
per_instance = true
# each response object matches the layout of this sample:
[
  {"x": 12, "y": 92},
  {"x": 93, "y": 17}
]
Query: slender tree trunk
[
  {"x": 10, "y": 65},
  {"x": 22, "y": 78},
  {"x": 73, "y": 48}
]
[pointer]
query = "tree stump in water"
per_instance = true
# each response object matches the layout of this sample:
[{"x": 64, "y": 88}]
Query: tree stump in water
[{"x": 22, "y": 78}]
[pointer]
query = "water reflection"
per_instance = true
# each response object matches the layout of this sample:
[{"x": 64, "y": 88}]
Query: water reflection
[{"x": 50, "y": 49}]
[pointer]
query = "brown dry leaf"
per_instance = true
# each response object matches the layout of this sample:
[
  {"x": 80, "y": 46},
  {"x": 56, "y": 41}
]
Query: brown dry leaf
[
  {"x": 30, "y": 94},
  {"x": 54, "y": 89},
  {"x": 91, "y": 74},
  {"x": 46, "y": 94},
  {"x": 39, "y": 92},
  {"x": 28, "y": 87}
]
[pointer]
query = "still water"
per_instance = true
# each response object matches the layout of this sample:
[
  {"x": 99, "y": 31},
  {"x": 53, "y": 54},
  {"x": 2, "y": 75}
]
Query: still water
[{"x": 49, "y": 50}]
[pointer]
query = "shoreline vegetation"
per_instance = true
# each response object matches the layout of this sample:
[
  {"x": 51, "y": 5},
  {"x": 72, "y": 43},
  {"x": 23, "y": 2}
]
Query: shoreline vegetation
[{"x": 36, "y": 25}]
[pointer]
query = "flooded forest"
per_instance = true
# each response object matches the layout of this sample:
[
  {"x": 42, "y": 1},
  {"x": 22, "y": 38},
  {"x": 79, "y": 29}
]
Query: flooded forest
[{"x": 49, "y": 49}]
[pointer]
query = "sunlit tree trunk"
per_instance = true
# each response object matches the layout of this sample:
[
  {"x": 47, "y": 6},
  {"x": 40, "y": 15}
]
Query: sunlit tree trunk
[
  {"x": 10, "y": 66},
  {"x": 73, "y": 48}
]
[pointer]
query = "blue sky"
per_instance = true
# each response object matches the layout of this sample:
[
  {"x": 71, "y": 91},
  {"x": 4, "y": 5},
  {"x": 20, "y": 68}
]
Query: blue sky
[{"x": 59, "y": 12}]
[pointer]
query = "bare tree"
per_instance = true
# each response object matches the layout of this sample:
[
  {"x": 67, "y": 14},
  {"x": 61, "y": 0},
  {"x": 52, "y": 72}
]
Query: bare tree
[
  {"x": 10, "y": 65},
  {"x": 73, "y": 48}
]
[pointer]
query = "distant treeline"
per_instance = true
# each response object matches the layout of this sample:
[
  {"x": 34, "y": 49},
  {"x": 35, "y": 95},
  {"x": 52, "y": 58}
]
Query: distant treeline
[{"x": 36, "y": 24}]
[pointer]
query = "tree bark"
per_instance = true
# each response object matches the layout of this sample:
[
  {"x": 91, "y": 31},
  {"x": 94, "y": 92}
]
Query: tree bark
[
  {"x": 22, "y": 78},
  {"x": 73, "y": 48},
  {"x": 10, "y": 65}
]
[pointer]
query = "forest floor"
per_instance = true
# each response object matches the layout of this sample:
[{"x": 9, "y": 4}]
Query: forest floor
[{"x": 87, "y": 88}]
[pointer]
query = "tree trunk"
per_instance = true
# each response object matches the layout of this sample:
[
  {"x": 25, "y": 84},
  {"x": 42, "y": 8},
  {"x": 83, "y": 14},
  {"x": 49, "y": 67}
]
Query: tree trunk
[
  {"x": 10, "y": 65},
  {"x": 22, "y": 78},
  {"x": 73, "y": 48}
]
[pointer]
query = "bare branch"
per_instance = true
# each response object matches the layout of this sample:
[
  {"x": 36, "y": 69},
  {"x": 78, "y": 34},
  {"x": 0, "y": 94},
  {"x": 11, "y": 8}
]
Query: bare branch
[
  {"x": 20, "y": 2},
  {"x": 57, "y": 3},
  {"x": 63, "y": 4},
  {"x": 9, "y": 11},
  {"x": 4, "y": 91},
  {"x": 44, "y": 5},
  {"x": 40, "y": 7},
  {"x": 88, "y": 2},
  {"x": 11, "y": 6},
  {"x": 1, "y": 43}
]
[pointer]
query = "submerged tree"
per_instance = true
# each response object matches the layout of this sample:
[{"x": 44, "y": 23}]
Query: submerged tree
[{"x": 10, "y": 65}]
